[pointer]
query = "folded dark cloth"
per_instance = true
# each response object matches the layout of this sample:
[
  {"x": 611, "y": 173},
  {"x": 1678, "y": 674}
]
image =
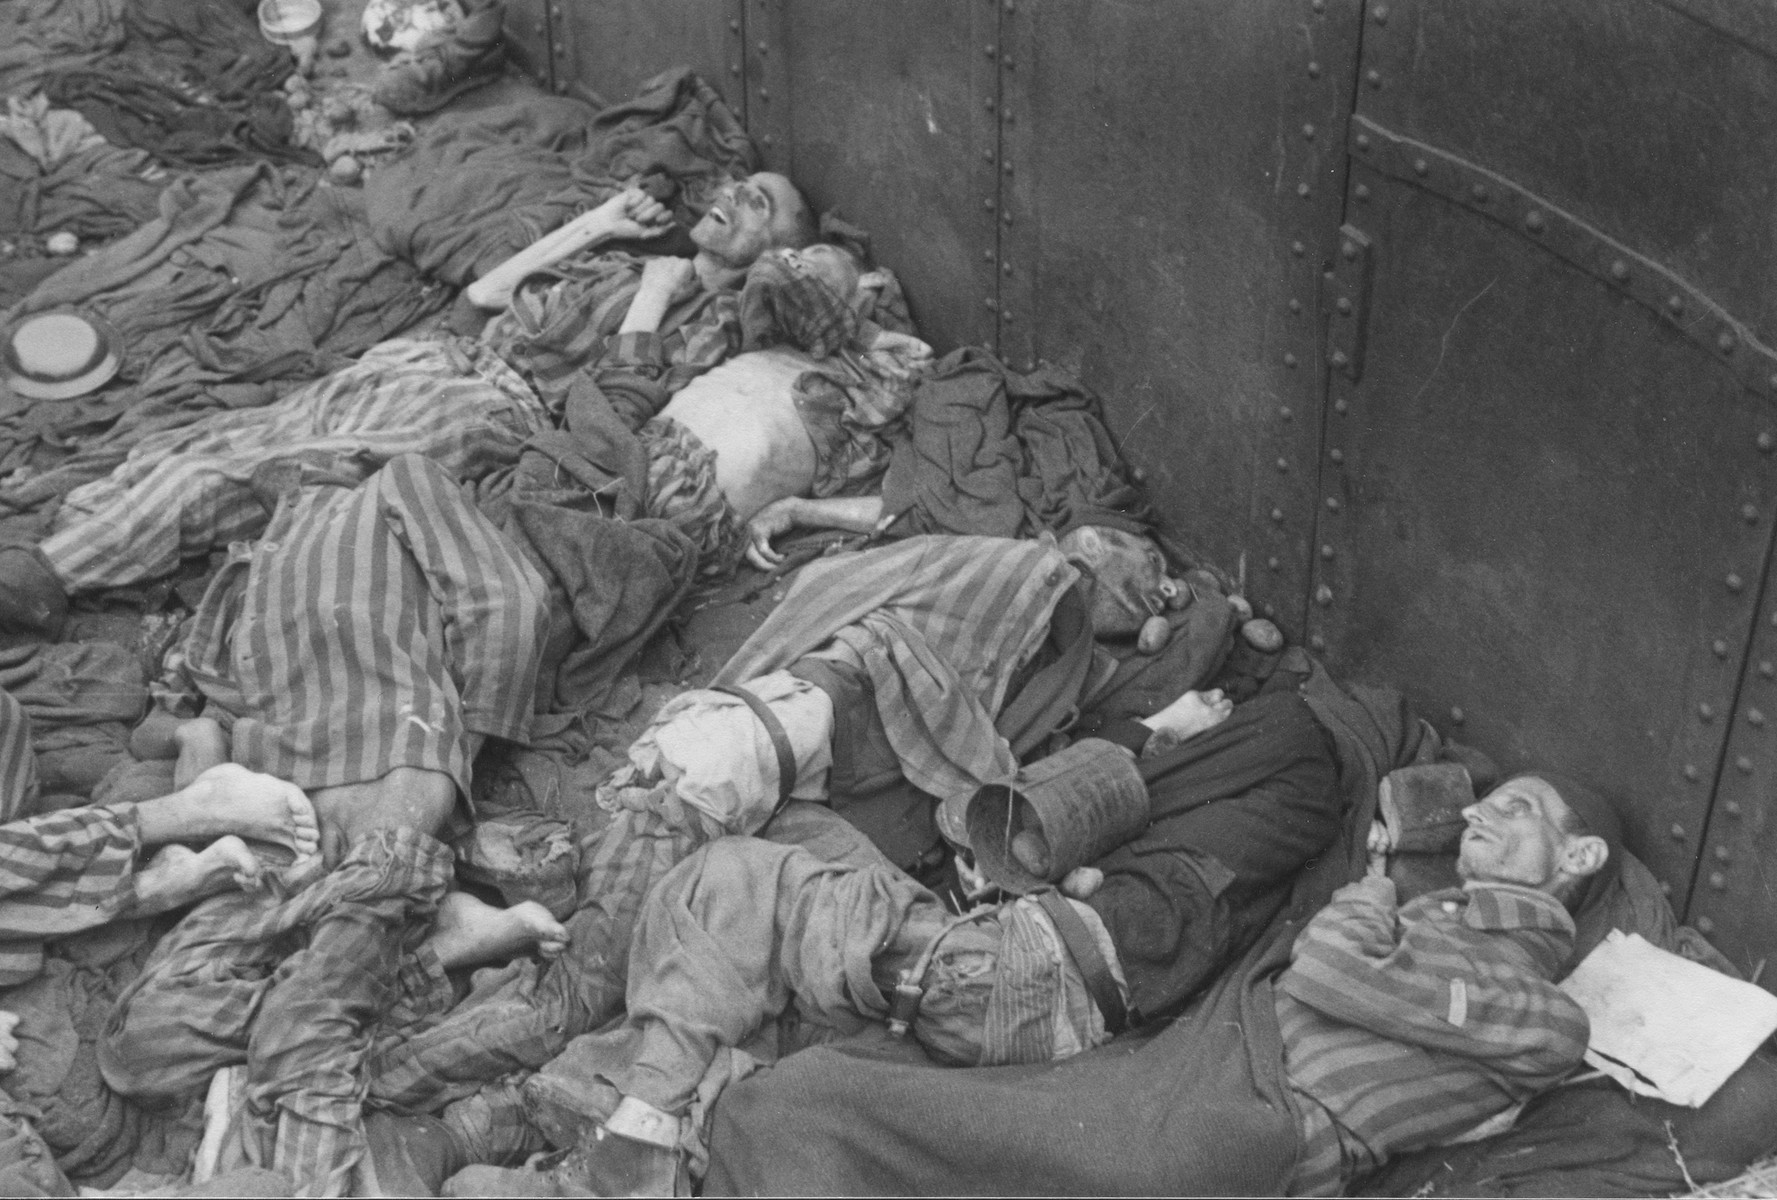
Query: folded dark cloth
[
  {"x": 478, "y": 187},
  {"x": 192, "y": 82},
  {"x": 993, "y": 451},
  {"x": 1199, "y": 1109}
]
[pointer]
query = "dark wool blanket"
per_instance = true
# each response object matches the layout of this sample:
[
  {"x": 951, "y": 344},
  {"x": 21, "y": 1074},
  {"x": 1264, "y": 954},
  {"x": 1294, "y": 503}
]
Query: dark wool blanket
[
  {"x": 1200, "y": 1108},
  {"x": 478, "y": 187},
  {"x": 992, "y": 451}
]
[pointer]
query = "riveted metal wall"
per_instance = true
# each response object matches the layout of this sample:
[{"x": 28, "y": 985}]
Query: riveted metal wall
[
  {"x": 1173, "y": 175},
  {"x": 1555, "y": 407},
  {"x": 526, "y": 31},
  {"x": 886, "y": 112},
  {"x": 601, "y": 50}
]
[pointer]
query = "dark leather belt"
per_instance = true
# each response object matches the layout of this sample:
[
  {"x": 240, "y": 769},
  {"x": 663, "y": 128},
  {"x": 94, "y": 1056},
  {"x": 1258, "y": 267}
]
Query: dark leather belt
[
  {"x": 1084, "y": 948},
  {"x": 780, "y": 741}
]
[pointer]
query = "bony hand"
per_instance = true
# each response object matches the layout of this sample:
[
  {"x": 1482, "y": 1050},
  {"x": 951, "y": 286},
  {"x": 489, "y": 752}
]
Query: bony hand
[
  {"x": 1378, "y": 845},
  {"x": 772, "y": 521},
  {"x": 904, "y": 345},
  {"x": 664, "y": 274},
  {"x": 9, "y": 1044},
  {"x": 636, "y": 214}
]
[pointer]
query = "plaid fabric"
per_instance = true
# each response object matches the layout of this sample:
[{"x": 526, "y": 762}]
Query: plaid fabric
[
  {"x": 1413, "y": 1026},
  {"x": 682, "y": 489},
  {"x": 563, "y": 322},
  {"x": 851, "y": 403},
  {"x": 185, "y": 491},
  {"x": 18, "y": 757},
  {"x": 783, "y": 303},
  {"x": 940, "y": 625},
  {"x": 372, "y": 627},
  {"x": 296, "y": 989}
]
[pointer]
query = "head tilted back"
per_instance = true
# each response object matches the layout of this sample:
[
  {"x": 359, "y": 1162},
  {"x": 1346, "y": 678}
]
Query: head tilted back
[{"x": 1596, "y": 816}]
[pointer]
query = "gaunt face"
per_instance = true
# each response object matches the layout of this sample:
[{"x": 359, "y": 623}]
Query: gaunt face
[
  {"x": 1516, "y": 834},
  {"x": 764, "y": 211}
]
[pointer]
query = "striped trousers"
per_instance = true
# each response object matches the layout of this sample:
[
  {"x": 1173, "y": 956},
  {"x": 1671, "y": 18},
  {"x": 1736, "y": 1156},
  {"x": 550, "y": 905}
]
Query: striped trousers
[
  {"x": 186, "y": 491},
  {"x": 60, "y": 873},
  {"x": 375, "y": 626},
  {"x": 299, "y": 990}
]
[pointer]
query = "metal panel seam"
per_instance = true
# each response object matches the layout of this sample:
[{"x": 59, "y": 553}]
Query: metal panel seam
[{"x": 1579, "y": 243}]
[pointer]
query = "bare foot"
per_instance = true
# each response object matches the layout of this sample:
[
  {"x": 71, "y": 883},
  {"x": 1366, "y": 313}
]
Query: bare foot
[
  {"x": 1188, "y": 716},
  {"x": 472, "y": 931},
  {"x": 177, "y": 875},
  {"x": 229, "y": 799}
]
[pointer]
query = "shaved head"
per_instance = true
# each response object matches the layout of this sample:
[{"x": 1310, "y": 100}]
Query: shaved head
[{"x": 749, "y": 216}]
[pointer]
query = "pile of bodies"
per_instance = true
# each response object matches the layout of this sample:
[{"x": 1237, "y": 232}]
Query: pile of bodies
[{"x": 765, "y": 952}]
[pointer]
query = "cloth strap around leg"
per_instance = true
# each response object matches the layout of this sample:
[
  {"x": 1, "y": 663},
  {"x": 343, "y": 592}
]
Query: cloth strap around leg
[
  {"x": 780, "y": 740},
  {"x": 1084, "y": 949}
]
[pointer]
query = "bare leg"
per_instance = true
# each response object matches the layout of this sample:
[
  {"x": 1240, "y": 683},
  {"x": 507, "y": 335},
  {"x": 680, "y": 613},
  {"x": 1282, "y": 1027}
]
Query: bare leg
[
  {"x": 470, "y": 931},
  {"x": 202, "y": 745},
  {"x": 230, "y": 799},
  {"x": 405, "y": 798}
]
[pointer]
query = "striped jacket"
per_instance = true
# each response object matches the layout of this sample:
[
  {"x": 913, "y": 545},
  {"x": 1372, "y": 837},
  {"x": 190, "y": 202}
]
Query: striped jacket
[
  {"x": 940, "y": 624},
  {"x": 566, "y": 322},
  {"x": 1411, "y": 1025}
]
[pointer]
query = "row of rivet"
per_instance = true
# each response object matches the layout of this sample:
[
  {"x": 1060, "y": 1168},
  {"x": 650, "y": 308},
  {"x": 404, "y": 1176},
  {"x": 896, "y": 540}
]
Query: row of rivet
[
  {"x": 1324, "y": 595},
  {"x": 1286, "y": 415},
  {"x": 1536, "y": 222},
  {"x": 1642, "y": 279},
  {"x": 1744, "y": 764},
  {"x": 996, "y": 201}
]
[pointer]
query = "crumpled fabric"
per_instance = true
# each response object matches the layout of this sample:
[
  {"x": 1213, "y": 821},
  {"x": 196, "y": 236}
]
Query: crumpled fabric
[
  {"x": 37, "y": 36},
  {"x": 992, "y": 451},
  {"x": 572, "y": 506},
  {"x": 82, "y": 698},
  {"x": 27, "y": 1165},
  {"x": 477, "y": 187},
  {"x": 250, "y": 281},
  {"x": 779, "y": 303},
  {"x": 706, "y": 750},
  {"x": 96, "y": 1134},
  {"x": 47, "y": 134},
  {"x": 192, "y": 82}
]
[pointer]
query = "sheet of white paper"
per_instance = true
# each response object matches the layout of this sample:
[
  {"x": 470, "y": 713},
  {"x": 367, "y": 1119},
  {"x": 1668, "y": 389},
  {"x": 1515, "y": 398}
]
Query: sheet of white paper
[{"x": 1679, "y": 1026}]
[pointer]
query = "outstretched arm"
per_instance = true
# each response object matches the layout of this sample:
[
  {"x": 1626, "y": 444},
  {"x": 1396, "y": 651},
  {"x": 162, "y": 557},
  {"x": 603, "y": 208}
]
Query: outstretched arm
[
  {"x": 631, "y": 213},
  {"x": 858, "y": 514}
]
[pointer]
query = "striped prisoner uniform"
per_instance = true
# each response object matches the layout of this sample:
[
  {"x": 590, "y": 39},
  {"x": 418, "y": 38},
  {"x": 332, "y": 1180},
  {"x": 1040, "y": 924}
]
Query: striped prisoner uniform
[
  {"x": 375, "y": 626},
  {"x": 942, "y": 622},
  {"x": 60, "y": 873},
  {"x": 1404, "y": 1028},
  {"x": 298, "y": 989},
  {"x": 185, "y": 491},
  {"x": 566, "y": 320}
]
